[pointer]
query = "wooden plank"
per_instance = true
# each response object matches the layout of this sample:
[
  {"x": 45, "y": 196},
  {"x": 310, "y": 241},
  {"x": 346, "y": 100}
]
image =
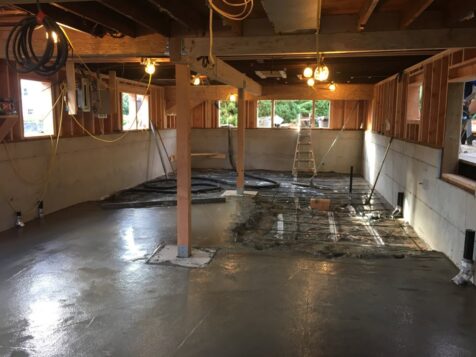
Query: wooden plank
[
  {"x": 442, "y": 102},
  {"x": 71, "y": 87},
  {"x": 461, "y": 182},
  {"x": 226, "y": 74},
  {"x": 434, "y": 103},
  {"x": 305, "y": 44},
  {"x": 413, "y": 11},
  {"x": 365, "y": 12},
  {"x": 425, "y": 117},
  {"x": 184, "y": 171},
  {"x": 240, "y": 157}
]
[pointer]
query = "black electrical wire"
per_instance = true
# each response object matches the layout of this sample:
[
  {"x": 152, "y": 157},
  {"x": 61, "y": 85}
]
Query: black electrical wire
[
  {"x": 19, "y": 46},
  {"x": 169, "y": 186}
]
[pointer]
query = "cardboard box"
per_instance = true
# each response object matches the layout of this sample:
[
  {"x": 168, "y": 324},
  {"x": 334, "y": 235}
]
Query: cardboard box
[{"x": 321, "y": 204}]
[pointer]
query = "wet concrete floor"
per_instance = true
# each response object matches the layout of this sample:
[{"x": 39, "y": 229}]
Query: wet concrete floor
[{"x": 75, "y": 284}]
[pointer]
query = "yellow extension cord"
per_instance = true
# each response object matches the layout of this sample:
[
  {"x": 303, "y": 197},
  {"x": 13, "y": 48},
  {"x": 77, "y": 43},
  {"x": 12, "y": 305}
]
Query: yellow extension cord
[{"x": 246, "y": 9}]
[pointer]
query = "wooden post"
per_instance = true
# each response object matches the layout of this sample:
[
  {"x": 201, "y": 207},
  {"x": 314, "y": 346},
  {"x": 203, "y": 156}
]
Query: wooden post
[
  {"x": 240, "y": 160},
  {"x": 312, "y": 119},
  {"x": 71, "y": 86},
  {"x": 184, "y": 171},
  {"x": 272, "y": 113}
]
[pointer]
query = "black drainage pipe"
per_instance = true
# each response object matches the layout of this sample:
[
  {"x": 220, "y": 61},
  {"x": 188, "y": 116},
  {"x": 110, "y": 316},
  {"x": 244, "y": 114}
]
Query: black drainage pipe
[
  {"x": 400, "y": 198},
  {"x": 469, "y": 245}
]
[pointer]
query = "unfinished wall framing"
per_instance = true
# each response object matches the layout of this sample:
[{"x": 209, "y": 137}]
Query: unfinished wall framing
[{"x": 394, "y": 100}]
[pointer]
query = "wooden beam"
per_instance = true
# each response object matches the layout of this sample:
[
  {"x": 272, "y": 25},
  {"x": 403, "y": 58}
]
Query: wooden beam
[
  {"x": 97, "y": 13},
  {"x": 365, "y": 13},
  {"x": 71, "y": 86},
  {"x": 184, "y": 162},
  {"x": 413, "y": 11},
  {"x": 86, "y": 45},
  {"x": 304, "y": 44},
  {"x": 224, "y": 73},
  {"x": 240, "y": 157},
  {"x": 142, "y": 13}
]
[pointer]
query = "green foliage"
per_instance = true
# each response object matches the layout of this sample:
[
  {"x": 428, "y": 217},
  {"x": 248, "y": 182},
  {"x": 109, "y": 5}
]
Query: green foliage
[
  {"x": 125, "y": 104},
  {"x": 228, "y": 113},
  {"x": 290, "y": 110},
  {"x": 264, "y": 108},
  {"x": 322, "y": 108}
]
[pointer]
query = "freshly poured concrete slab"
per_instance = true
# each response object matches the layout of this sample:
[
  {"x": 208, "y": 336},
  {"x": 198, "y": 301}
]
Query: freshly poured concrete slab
[{"x": 168, "y": 255}]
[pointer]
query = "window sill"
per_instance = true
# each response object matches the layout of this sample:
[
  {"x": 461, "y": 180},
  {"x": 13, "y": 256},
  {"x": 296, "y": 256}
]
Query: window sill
[{"x": 462, "y": 182}]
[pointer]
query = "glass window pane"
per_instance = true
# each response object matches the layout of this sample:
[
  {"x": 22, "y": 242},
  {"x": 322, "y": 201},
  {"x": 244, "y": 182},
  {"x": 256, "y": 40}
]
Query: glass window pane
[
  {"x": 288, "y": 113},
  {"x": 264, "y": 114},
  {"x": 228, "y": 113},
  {"x": 37, "y": 108},
  {"x": 322, "y": 113},
  {"x": 142, "y": 112},
  {"x": 129, "y": 121}
]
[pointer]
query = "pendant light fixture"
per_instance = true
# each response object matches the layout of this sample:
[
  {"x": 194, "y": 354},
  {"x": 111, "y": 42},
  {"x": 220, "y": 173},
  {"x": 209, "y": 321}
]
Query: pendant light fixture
[{"x": 321, "y": 72}]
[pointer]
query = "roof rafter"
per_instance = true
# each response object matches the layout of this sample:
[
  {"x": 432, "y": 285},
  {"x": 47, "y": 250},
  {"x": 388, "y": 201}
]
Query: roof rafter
[
  {"x": 414, "y": 10},
  {"x": 146, "y": 16},
  {"x": 365, "y": 12},
  {"x": 95, "y": 12}
]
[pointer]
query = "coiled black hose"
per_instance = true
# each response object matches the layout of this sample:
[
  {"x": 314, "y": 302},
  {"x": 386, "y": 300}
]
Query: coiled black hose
[{"x": 19, "y": 46}]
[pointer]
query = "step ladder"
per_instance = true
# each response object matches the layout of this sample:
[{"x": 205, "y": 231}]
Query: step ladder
[{"x": 304, "y": 163}]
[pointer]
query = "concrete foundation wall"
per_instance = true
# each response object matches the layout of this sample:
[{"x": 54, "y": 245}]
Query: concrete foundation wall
[
  {"x": 273, "y": 149},
  {"x": 438, "y": 211},
  {"x": 84, "y": 170}
]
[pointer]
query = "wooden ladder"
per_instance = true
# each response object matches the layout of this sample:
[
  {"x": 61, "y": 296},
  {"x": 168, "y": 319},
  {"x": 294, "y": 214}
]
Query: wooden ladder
[{"x": 304, "y": 162}]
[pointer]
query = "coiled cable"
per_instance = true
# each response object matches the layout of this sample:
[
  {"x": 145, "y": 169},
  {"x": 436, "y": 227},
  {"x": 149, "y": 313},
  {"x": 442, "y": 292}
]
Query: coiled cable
[{"x": 19, "y": 46}]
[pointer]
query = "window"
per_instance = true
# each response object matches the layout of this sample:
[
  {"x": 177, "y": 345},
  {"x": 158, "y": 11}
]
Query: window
[
  {"x": 265, "y": 116},
  {"x": 414, "y": 102},
  {"x": 322, "y": 113},
  {"x": 37, "y": 108},
  {"x": 288, "y": 113},
  {"x": 228, "y": 113},
  {"x": 135, "y": 111}
]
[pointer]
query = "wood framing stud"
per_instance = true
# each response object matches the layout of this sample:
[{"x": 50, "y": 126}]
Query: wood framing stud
[
  {"x": 71, "y": 85},
  {"x": 365, "y": 13},
  {"x": 184, "y": 161},
  {"x": 240, "y": 158},
  {"x": 413, "y": 11}
]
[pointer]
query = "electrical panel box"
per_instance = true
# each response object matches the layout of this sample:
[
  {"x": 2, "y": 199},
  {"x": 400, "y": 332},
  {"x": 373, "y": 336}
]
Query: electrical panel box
[{"x": 84, "y": 95}]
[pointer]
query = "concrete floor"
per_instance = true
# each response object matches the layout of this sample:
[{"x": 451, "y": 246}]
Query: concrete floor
[{"x": 76, "y": 284}]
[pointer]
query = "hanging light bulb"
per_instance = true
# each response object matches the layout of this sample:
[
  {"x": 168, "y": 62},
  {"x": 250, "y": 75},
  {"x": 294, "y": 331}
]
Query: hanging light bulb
[
  {"x": 232, "y": 97},
  {"x": 332, "y": 87},
  {"x": 196, "y": 80},
  {"x": 321, "y": 73},
  {"x": 311, "y": 82},
  {"x": 149, "y": 67},
  {"x": 307, "y": 72}
]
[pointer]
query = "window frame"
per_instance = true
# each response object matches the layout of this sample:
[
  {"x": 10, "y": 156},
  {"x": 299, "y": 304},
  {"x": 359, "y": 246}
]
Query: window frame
[
  {"x": 35, "y": 78},
  {"x": 135, "y": 94}
]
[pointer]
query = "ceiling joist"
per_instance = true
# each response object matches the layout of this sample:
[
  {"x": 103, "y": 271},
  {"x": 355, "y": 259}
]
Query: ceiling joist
[
  {"x": 365, "y": 13},
  {"x": 146, "y": 16},
  {"x": 414, "y": 10},
  {"x": 95, "y": 12}
]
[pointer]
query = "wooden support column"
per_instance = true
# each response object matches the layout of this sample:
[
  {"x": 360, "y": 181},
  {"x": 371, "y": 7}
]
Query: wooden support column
[
  {"x": 272, "y": 113},
  {"x": 240, "y": 159},
  {"x": 184, "y": 162},
  {"x": 71, "y": 86},
  {"x": 452, "y": 138}
]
